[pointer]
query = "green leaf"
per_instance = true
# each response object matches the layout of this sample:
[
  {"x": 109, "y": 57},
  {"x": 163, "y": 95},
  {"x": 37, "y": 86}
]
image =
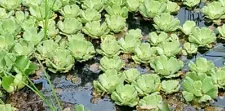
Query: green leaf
[
  {"x": 6, "y": 83},
  {"x": 164, "y": 106},
  {"x": 2, "y": 42},
  {"x": 104, "y": 83},
  {"x": 166, "y": 22},
  {"x": 202, "y": 36},
  {"x": 24, "y": 65},
  {"x": 22, "y": 62},
  {"x": 188, "y": 96},
  {"x": 170, "y": 86},
  {"x": 205, "y": 98},
  {"x": 80, "y": 107},
  {"x": 125, "y": 95},
  {"x": 191, "y": 3},
  {"x": 6, "y": 107},
  {"x": 207, "y": 85},
  {"x": 221, "y": 30},
  {"x": 131, "y": 75},
  {"x": 18, "y": 78},
  {"x": 214, "y": 10},
  {"x": 31, "y": 69},
  {"x": 115, "y": 63}
]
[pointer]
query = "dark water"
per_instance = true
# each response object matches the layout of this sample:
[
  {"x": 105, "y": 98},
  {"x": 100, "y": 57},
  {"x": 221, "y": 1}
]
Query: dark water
[{"x": 80, "y": 93}]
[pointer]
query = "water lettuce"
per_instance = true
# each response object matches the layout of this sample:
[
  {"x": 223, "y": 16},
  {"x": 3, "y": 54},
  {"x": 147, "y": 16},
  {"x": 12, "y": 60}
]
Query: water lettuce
[
  {"x": 219, "y": 78},
  {"x": 127, "y": 43},
  {"x": 133, "y": 5},
  {"x": 95, "y": 29},
  {"x": 108, "y": 81},
  {"x": 89, "y": 15},
  {"x": 221, "y": 30},
  {"x": 125, "y": 95},
  {"x": 214, "y": 10},
  {"x": 109, "y": 41},
  {"x": 9, "y": 26},
  {"x": 70, "y": 11},
  {"x": 198, "y": 87},
  {"x": 169, "y": 48},
  {"x": 10, "y": 4},
  {"x": 187, "y": 27},
  {"x": 23, "y": 67},
  {"x": 152, "y": 8},
  {"x": 23, "y": 47},
  {"x": 191, "y": 3},
  {"x": 39, "y": 12},
  {"x": 66, "y": 27},
  {"x": 117, "y": 10},
  {"x": 167, "y": 66},
  {"x": 152, "y": 102},
  {"x": 81, "y": 50},
  {"x": 147, "y": 83},
  {"x": 202, "y": 36},
  {"x": 189, "y": 48},
  {"x": 156, "y": 39},
  {"x": 170, "y": 86},
  {"x": 7, "y": 42},
  {"x": 166, "y": 22},
  {"x": 33, "y": 36},
  {"x": 93, "y": 4},
  {"x": 144, "y": 53},
  {"x": 116, "y": 23},
  {"x": 202, "y": 65},
  {"x": 115, "y": 2},
  {"x": 59, "y": 60},
  {"x": 114, "y": 63},
  {"x": 131, "y": 75},
  {"x": 45, "y": 47},
  {"x": 172, "y": 7}
]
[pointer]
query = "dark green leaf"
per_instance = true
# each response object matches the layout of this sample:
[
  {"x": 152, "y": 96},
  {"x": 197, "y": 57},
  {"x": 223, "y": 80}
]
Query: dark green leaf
[
  {"x": 31, "y": 69},
  {"x": 22, "y": 62}
]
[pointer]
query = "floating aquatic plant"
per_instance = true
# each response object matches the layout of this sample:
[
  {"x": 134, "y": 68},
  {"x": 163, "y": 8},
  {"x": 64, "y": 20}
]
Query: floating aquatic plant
[
  {"x": 202, "y": 37},
  {"x": 198, "y": 87},
  {"x": 125, "y": 95},
  {"x": 156, "y": 8},
  {"x": 161, "y": 67},
  {"x": 166, "y": 22}
]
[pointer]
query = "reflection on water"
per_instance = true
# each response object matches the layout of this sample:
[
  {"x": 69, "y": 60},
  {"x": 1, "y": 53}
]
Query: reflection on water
[
  {"x": 82, "y": 95},
  {"x": 184, "y": 14},
  {"x": 220, "y": 102}
]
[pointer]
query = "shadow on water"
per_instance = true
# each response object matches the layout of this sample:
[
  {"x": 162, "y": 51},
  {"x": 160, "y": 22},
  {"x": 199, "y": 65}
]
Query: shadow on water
[{"x": 134, "y": 22}]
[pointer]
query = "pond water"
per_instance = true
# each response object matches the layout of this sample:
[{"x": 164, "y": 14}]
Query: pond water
[{"x": 80, "y": 91}]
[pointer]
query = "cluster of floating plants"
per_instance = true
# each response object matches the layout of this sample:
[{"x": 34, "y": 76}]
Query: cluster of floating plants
[{"x": 63, "y": 32}]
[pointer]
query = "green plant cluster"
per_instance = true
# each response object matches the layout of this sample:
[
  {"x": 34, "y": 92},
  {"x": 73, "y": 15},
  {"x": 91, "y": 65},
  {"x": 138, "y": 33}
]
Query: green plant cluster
[
  {"x": 214, "y": 10},
  {"x": 131, "y": 88},
  {"x": 137, "y": 86},
  {"x": 60, "y": 33},
  {"x": 202, "y": 82}
]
